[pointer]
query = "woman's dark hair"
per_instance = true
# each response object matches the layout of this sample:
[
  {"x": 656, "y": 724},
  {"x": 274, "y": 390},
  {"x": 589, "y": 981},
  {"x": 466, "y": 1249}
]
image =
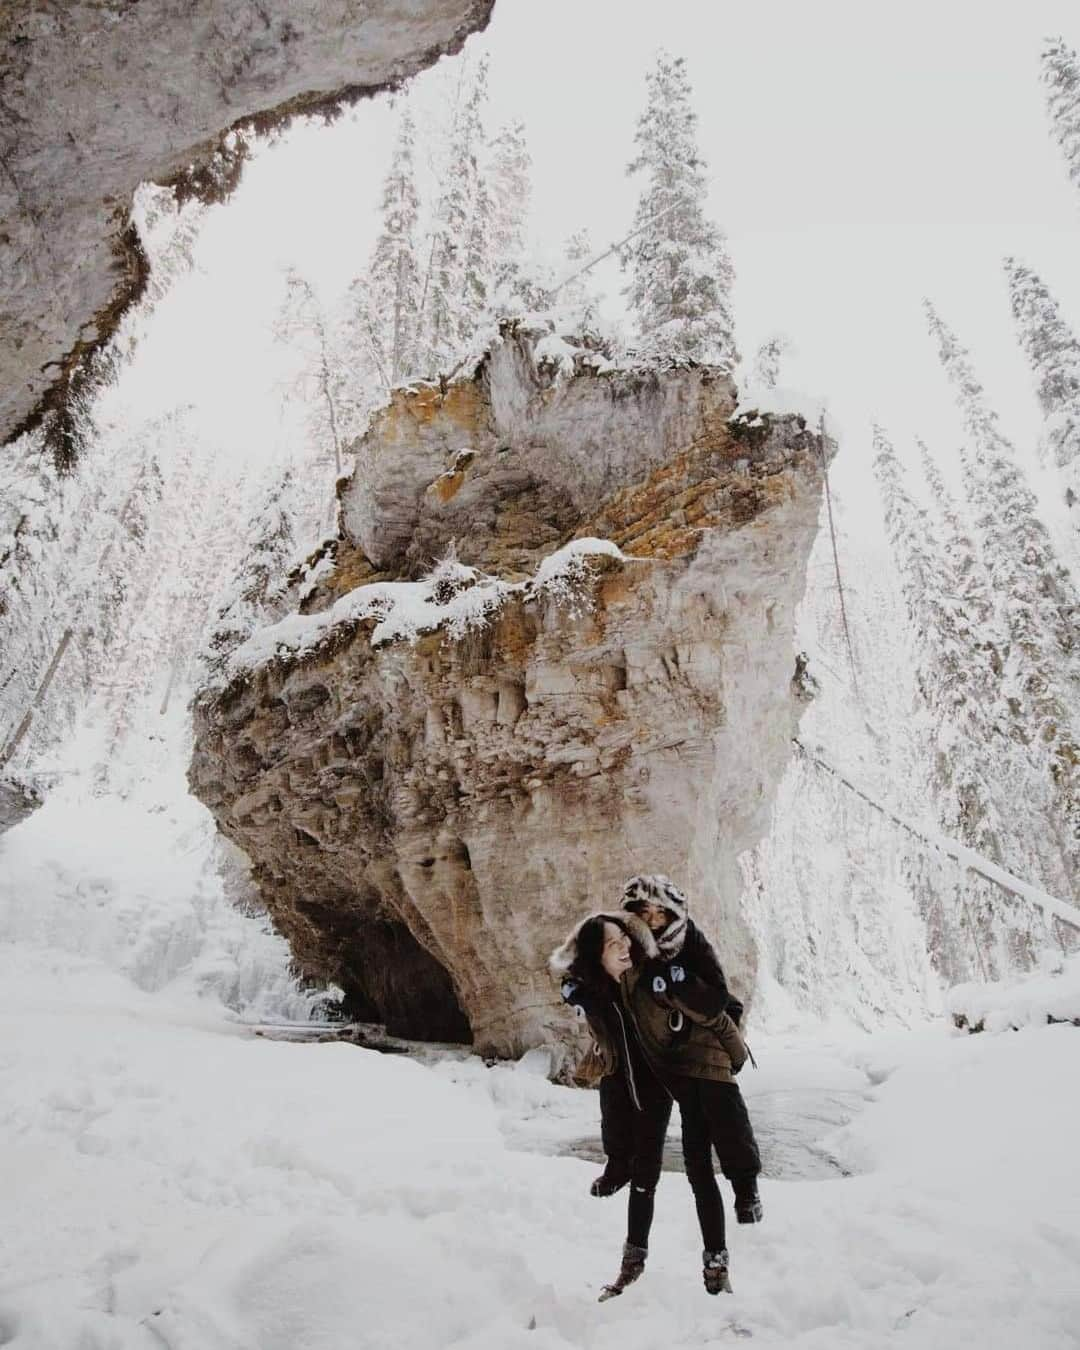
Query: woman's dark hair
[{"x": 590, "y": 948}]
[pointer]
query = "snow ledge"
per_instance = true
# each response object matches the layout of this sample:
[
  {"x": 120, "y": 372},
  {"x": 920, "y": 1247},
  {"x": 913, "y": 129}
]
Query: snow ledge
[{"x": 453, "y": 597}]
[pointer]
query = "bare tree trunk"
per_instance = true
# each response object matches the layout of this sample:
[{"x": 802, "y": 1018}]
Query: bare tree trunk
[{"x": 42, "y": 690}]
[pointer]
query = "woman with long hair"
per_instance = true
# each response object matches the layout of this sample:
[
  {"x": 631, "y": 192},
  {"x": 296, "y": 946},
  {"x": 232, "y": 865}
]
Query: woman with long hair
[
  {"x": 662, "y": 1034},
  {"x": 591, "y": 965}
]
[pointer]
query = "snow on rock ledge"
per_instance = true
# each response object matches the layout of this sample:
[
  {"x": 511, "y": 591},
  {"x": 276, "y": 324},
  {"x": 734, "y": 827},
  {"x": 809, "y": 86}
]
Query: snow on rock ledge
[
  {"x": 454, "y": 598},
  {"x": 434, "y": 774},
  {"x": 1038, "y": 998}
]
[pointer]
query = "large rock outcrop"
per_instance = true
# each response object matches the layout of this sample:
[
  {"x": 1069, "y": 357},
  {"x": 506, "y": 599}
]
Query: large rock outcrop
[
  {"x": 466, "y": 792},
  {"x": 97, "y": 96}
]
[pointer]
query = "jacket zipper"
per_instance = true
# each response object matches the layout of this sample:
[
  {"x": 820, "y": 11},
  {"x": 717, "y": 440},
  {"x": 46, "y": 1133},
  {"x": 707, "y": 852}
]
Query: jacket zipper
[{"x": 626, "y": 1048}]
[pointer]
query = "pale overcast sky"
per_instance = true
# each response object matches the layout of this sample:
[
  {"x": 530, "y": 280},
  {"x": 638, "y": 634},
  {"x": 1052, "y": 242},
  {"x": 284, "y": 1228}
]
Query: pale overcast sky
[{"x": 862, "y": 155}]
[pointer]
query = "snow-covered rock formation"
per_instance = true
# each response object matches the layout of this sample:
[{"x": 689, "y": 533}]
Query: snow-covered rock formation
[
  {"x": 434, "y": 776},
  {"x": 19, "y": 798},
  {"x": 100, "y": 95}
]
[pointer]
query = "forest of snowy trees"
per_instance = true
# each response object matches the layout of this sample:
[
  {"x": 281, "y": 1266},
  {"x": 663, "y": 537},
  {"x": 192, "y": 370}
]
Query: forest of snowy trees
[
  {"x": 111, "y": 573},
  {"x": 977, "y": 742}
]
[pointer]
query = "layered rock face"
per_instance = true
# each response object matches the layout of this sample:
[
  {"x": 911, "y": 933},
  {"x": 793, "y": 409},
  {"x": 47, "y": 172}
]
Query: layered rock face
[
  {"x": 468, "y": 797},
  {"x": 100, "y": 95}
]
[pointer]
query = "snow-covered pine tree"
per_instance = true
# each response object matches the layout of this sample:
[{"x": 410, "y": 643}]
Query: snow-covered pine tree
[
  {"x": 441, "y": 322},
  {"x": 968, "y": 736},
  {"x": 1053, "y": 351},
  {"x": 477, "y": 269},
  {"x": 393, "y": 287},
  {"x": 257, "y": 595},
  {"x": 365, "y": 344},
  {"x": 1034, "y": 592},
  {"x": 577, "y": 297},
  {"x": 681, "y": 274},
  {"x": 766, "y": 369},
  {"x": 1061, "y": 77},
  {"x": 509, "y": 168},
  {"x": 66, "y": 578},
  {"x": 578, "y": 249},
  {"x": 1008, "y": 510},
  {"x": 967, "y": 579},
  {"x": 168, "y": 232},
  {"x": 332, "y": 380},
  {"x": 990, "y": 741}
]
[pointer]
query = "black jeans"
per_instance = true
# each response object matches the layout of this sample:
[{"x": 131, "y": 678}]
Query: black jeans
[
  {"x": 714, "y": 1115},
  {"x": 633, "y": 1137}
]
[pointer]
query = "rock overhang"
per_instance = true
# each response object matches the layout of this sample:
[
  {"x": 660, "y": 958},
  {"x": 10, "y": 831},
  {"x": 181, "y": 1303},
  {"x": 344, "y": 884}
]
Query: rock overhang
[{"x": 101, "y": 95}]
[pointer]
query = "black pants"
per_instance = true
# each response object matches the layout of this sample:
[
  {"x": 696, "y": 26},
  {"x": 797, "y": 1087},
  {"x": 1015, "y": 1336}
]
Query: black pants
[
  {"x": 633, "y": 1139},
  {"x": 714, "y": 1116}
]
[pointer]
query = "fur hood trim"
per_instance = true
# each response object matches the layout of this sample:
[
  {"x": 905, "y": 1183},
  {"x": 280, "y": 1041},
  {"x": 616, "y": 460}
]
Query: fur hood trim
[
  {"x": 655, "y": 889},
  {"x": 566, "y": 953}
]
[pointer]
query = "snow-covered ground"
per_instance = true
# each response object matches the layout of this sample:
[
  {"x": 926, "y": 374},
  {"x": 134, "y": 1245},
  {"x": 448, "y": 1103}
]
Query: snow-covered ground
[{"x": 169, "y": 1179}]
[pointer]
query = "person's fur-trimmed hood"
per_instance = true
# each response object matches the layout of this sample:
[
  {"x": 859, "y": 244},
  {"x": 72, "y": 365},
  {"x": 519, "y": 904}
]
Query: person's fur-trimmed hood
[
  {"x": 566, "y": 953},
  {"x": 655, "y": 889}
]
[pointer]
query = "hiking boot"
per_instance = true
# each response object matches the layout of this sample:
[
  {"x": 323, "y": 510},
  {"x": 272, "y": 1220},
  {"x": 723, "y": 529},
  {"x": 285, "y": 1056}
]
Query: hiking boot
[
  {"x": 633, "y": 1263},
  {"x": 748, "y": 1207},
  {"x": 714, "y": 1271},
  {"x": 609, "y": 1181}
]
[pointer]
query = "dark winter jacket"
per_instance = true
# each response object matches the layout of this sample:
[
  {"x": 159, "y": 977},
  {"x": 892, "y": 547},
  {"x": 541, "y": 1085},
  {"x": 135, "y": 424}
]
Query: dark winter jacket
[
  {"x": 671, "y": 1016},
  {"x": 681, "y": 1023},
  {"x": 698, "y": 957}
]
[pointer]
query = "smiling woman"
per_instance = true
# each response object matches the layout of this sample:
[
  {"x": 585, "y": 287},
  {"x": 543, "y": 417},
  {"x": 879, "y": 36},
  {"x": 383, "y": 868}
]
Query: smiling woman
[
  {"x": 661, "y": 1035},
  {"x": 616, "y": 957}
]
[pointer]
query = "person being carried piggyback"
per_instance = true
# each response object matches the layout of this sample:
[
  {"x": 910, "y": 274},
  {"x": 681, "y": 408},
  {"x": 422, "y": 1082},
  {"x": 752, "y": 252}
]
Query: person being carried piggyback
[
  {"x": 686, "y": 949},
  {"x": 686, "y": 984}
]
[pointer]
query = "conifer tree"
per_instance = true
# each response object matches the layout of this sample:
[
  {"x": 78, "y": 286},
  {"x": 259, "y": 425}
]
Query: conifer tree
[
  {"x": 362, "y": 344},
  {"x": 1053, "y": 351},
  {"x": 576, "y": 295},
  {"x": 334, "y": 381},
  {"x": 1019, "y": 552},
  {"x": 511, "y": 189},
  {"x": 393, "y": 289},
  {"x": 255, "y": 597},
  {"x": 1061, "y": 77},
  {"x": 910, "y": 534},
  {"x": 767, "y": 362},
  {"x": 168, "y": 233},
  {"x": 967, "y": 578},
  {"x": 455, "y": 267},
  {"x": 1034, "y": 593},
  {"x": 681, "y": 274},
  {"x": 477, "y": 264},
  {"x": 955, "y": 675}
]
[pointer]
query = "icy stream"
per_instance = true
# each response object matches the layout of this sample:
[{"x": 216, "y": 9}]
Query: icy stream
[{"x": 790, "y": 1125}]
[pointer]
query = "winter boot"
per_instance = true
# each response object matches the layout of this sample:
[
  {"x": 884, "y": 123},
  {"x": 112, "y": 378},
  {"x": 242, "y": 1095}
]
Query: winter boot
[
  {"x": 748, "y": 1207},
  {"x": 633, "y": 1263},
  {"x": 715, "y": 1271},
  {"x": 610, "y": 1180}
]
